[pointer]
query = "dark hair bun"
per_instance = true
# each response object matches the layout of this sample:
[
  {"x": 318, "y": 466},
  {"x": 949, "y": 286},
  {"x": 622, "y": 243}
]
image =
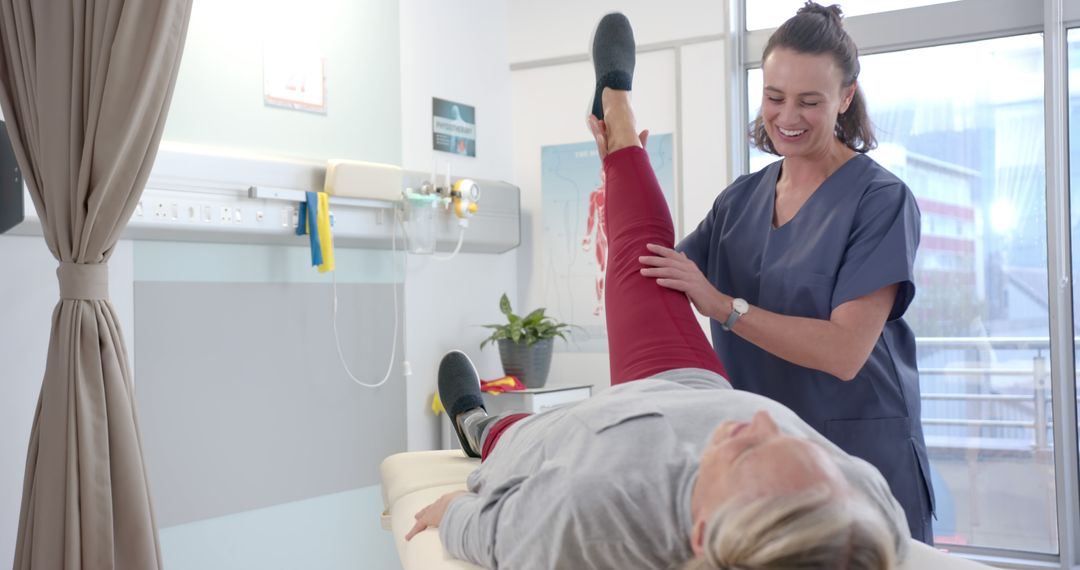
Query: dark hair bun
[{"x": 831, "y": 12}]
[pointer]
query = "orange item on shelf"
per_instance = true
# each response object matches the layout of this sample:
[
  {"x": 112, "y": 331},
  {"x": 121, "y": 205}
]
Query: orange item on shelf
[{"x": 500, "y": 385}]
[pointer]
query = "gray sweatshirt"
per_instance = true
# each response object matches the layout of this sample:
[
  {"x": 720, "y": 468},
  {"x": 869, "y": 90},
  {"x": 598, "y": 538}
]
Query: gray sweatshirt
[{"x": 606, "y": 483}]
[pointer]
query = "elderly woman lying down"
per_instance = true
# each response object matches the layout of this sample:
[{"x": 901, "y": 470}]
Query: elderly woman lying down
[{"x": 669, "y": 467}]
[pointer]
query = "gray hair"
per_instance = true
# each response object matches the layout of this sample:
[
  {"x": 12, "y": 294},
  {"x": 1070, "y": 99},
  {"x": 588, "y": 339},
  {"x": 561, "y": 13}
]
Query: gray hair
[{"x": 811, "y": 529}]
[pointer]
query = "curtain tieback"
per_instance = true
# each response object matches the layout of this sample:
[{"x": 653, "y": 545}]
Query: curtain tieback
[{"x": 83, "y": 281}]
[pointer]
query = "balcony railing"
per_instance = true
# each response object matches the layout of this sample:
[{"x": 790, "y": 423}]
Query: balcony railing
[{"x": 986, "y": 393}]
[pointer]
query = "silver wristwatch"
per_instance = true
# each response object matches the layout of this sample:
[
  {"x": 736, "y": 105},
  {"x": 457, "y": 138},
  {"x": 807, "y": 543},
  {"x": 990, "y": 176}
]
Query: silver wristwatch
[{"x": 739, "y": 307}]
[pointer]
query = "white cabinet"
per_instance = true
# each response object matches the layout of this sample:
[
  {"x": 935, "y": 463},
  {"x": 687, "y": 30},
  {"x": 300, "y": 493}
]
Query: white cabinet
[{"x": 535, "y": 400}]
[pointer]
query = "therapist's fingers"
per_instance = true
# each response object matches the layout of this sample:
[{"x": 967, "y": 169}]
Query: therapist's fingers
[
  {"x": 664, "y": 251},
  {"x": 705, "y": 298},
  {"x": 654, "y": 260},
  {"x": 673, "y": 277},
  {"x": 664, "y": 256},
  {"x": 667, "y": 273},
  {"x": 673, "y": 268},
  {"x": 676, "y": 262},
  {"x": 676, "y": 284},
  {"x": 684, "y": 276}
]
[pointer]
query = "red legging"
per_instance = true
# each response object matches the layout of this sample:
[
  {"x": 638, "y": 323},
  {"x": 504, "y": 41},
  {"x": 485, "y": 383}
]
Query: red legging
[{"x": 651, "y": 329}]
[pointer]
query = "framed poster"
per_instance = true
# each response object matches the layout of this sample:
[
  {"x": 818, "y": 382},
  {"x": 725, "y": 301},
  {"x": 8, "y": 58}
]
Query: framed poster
[
  {"x": 453, "y": 127},
  {"x": 294, "y": 80},
  {"x": 574, "y": 250}
]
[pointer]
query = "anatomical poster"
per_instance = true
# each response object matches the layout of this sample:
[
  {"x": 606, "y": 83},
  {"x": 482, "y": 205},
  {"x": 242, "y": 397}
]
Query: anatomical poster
[{"x": 574, "y": 244}]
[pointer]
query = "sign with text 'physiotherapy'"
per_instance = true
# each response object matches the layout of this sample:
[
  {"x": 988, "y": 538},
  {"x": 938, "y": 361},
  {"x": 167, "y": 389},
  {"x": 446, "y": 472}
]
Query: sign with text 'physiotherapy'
[{"x": 453, "y": 127}]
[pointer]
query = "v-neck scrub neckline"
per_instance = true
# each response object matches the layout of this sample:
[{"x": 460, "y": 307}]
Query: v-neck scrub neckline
[{"x": 825, "y": 184}]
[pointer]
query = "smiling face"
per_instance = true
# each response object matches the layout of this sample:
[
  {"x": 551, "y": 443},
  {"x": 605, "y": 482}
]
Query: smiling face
[
  {"x": 803, "y": 96},
  {"x": 749, "y": 460}
]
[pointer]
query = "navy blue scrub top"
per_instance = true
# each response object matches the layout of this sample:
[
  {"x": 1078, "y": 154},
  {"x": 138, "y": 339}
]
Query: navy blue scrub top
[{"x": 855, "y": 234}]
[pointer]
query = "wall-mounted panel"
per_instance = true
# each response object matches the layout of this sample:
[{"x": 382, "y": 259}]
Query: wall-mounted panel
[{"x": 198, "y": 195}]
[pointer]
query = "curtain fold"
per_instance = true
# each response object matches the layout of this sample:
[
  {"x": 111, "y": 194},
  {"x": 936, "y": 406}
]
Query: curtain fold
[{"x": 85, "y": 88}]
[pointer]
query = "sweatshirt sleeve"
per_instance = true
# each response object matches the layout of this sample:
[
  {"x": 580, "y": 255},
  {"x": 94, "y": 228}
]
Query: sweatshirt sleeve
[
  {"x": 543, "y": 522},
  {"x": 470, "y": 525},
  {"x": 522, "y": 523}
]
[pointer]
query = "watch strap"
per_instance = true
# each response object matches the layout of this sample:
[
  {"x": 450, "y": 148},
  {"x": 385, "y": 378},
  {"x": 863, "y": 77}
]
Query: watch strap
[
  {"x": 735, "y": 313},
  {"x": 730, "y": 322}
]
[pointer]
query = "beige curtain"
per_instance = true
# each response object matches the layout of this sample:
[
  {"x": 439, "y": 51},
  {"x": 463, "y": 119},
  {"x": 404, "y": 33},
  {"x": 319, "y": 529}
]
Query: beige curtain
[{"x": 84, "y": 87}]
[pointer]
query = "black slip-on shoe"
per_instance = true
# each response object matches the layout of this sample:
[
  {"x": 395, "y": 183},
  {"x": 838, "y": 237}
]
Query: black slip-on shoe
[
  {"x": 459, "y": 390},
  {"x": 613, "y": 57}
]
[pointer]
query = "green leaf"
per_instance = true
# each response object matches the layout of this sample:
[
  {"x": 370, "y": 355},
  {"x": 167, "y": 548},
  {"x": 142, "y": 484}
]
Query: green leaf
[
  {"x": 535, "y": 317},
  {"x": 528, "y": 330}
]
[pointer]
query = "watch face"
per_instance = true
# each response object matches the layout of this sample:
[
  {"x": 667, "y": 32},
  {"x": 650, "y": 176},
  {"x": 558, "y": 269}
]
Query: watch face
[{"x": 740, "y": 306}]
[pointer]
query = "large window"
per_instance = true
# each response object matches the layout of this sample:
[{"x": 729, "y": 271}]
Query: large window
[{"x": 968, "y": 138}]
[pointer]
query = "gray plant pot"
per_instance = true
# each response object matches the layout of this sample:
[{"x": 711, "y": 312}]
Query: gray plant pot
[{"x": 529, "y": 363}]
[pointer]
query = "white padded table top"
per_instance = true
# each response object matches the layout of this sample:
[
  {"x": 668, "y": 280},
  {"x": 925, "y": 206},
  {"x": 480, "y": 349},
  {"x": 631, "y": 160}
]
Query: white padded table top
[{"x": 413, "y": 480}]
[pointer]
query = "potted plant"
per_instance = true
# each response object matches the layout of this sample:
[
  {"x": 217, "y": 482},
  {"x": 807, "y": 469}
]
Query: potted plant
[{"x": 525, "y": 343}]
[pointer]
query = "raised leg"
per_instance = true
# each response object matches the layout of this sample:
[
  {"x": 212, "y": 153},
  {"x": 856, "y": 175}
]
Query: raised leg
[{"x": 651, "y": 329}]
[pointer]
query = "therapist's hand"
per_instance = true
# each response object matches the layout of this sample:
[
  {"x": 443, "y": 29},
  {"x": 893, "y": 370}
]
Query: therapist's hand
[
  {"x": 432, "y": 515},
  {"x": 672, "y": 269},
  {"x": 599, "y": 133}
]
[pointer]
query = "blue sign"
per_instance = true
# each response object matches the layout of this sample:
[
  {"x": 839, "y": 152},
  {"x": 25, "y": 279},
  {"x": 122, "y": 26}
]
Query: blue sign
[{"x": 453, "y": 127}]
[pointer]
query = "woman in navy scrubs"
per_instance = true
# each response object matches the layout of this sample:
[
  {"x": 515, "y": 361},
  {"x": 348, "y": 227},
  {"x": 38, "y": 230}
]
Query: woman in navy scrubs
[{"x": 806, "y": 267}]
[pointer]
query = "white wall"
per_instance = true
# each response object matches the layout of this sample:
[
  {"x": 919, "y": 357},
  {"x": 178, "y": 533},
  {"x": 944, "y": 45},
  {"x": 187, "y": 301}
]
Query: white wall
[
  {"x": 455, "y": 51},
  {"x": 219, "y": 88},
  {"x": 679, "y": 88},
  {"x": 541, "y": 30}
]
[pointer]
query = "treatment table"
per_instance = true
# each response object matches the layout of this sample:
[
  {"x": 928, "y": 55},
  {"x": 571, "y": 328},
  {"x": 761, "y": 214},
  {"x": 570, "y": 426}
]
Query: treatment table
[{"x": 413, "y": 480}]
